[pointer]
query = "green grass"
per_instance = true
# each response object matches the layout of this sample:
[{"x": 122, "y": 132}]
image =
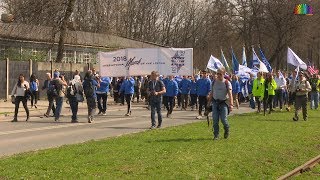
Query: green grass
[{"x": 258, "y": 148}]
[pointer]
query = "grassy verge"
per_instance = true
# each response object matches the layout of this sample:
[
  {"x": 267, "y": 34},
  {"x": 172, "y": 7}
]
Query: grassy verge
[{"x": 259, "y": 148}]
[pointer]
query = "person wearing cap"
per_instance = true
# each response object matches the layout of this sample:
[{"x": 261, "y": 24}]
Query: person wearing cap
[
  {"x": 302, "y": 88},
  {"x": 203, "y": 91},
  {"x": 314, "y": 94},
  {"x": 59, "y": 83}
]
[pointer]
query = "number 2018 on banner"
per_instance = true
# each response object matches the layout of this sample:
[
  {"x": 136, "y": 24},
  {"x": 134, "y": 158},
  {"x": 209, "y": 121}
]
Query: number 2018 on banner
[{"x": 119, "y": 58}]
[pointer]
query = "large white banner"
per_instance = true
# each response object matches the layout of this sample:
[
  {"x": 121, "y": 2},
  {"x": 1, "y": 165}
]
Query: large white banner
[{"x": 135, "y": 62}]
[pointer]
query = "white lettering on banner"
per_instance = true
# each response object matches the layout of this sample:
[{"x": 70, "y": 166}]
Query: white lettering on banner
[{"x": 134, "y": 62}]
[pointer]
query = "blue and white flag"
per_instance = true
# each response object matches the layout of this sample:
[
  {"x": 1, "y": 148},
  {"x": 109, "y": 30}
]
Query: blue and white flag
[
  {"x": 235, "y": 63},
  {"x": 262, "y": 66},
  {"x": 214, "y": 64},
  {"x": 265, "y": 61},
  {"x": 244, "y": 58},
  {"x": 224, "y": 61}
]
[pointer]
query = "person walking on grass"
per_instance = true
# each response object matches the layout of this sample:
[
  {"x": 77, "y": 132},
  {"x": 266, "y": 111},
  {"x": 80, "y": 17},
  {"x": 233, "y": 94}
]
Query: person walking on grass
[
  {"x": 220, "y": 96},
  {"x": 292, "y": 90},
  {"x": 34, "y": 89},
  {"x": 90, "y": 85},
  {"x": 185, "y": 86},
  {"x": 19, "y": 93},
  {"x": 203, "y": 91},
  {"x": 270, "y": 87},
  {"x": 314, "y": 94},
  {"x": 155, "y": 91},
  {"x": 102, "y": 95},
  {"x": 75, "y": 90},
  {"x": 235, "y": 89},
  {"x": 171, "y": 92},
  {"x": 281, "y": 86},
  {"x": 127, "y": 90},
  {"x": 46, "y": 86},
  {"x": 302, "y": 88},
  {"x": 193, "y": 93}
]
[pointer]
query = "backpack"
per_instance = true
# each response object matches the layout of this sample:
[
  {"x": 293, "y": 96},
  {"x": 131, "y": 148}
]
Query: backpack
[
  {"x": 54, "y": 89},
  {"x": 71, "y": 91},
  {"x": 88, "y": 88},
  {"x": 33, "y": 86}
]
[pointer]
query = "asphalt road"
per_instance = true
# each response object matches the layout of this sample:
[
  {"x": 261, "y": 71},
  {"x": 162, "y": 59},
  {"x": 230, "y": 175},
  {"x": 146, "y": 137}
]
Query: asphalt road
[{"x": 43, "y": 133}]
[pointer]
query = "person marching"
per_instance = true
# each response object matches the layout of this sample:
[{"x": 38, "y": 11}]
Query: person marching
[
  {"x": 19, "y": 92},
  {"x": 250, "y": 94},
  {"x": 34, "y": 89},
  {"x": 155, "y": 91},
  {"x": 314, "y": 94},
  {"x": 203, "y": 90},
  {"x": 57, "y": 86},
  {"x": 302, "y": 88},
  {"x": 89, "y": 86},
  {"x": 258, "y": 90},
  {"x": 235, "y": 89},
  {"x": 185, "y": 86},
  {"x": 270, "y": 87},
  {"x": 193, "y": 93},
  {"x": 102, "y": 95},
  {"x": 76, "y": 90},
  {"x": 281, "y": 85},
  {"x": 46, "y": 86},
  {"x": 292, "y": 89},
  {"x": 171, "y": 92},
  {"x": 127, "y": 89},
  {"x": 221, "y": 92}
]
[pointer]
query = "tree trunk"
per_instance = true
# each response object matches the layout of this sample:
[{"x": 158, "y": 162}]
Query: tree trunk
[{"x": 63, "y": 29}]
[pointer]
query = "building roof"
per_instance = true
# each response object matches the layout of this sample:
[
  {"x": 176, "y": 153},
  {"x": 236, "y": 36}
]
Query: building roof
[{"x": 14, "y": 31}]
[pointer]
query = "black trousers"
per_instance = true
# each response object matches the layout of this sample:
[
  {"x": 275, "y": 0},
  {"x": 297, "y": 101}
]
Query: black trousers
[
  {"x": 17, "y": 104},
  {"x": 102, "y": 102},
  {"x": 168, "y": 103},
  {"x": 193, "y": 99},
  {"x": 129, "y": 101},
  {"x": 202, "y": 102},
  {"x": 34, "y": 97}
]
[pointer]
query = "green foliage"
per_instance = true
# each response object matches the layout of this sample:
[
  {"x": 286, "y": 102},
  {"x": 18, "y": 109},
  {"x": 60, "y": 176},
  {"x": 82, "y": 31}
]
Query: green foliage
[{"x": 258, "y": 148}]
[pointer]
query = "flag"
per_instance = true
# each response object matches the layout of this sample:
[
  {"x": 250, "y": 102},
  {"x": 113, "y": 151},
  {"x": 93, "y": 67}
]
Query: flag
[
  {"x": 244, "y": 69},
  {"x": 265, "y": 61},
  {"x": 262, "y": 66},
  {"x": 244, "y": 58},
  {"x": 255, "y": 59},
  {"x": 235, "y": 63},
  {"x": 224, "y": 61},
  {"x": 214, "y": 64},
  {"x": 312, "y": 70},
  {"x": 293, "y": 59}
]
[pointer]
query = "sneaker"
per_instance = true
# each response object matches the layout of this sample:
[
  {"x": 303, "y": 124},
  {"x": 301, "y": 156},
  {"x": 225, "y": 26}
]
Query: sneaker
[
  {"x": 90, "y": 119},
  {"x": 56, "y": 119},
  {"x": 104, "y": 114},
  {"x": 152, "y": 127},
  {"x": 216, "y": 138},
  {"x": 295, "y": 119},
  {"x": 159, "y": 126},
  {"x": 128, "y": 114},
  {"x": 199, "y": 117},
  {"x": 74, "y": 121}
]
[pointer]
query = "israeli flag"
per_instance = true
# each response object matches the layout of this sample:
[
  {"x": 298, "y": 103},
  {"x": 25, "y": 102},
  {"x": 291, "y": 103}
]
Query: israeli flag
[
  {"x": 244, "y": 58},
  {"x": 214, "y": 64}
]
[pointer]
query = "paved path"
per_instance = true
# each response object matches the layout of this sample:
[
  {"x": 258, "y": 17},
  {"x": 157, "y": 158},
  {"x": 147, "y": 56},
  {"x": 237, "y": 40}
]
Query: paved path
[{"x": 43, "y": 133}]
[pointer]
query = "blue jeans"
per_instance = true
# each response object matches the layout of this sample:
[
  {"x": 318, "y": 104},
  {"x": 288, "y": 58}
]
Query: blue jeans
[
  {"x": 74, "y": 108},
  {"x": 219, "y": 111},
  {"x": 314, "y": 100},
  {"x": 156, "y": 106},
  {"x": 59, "y": 102}
]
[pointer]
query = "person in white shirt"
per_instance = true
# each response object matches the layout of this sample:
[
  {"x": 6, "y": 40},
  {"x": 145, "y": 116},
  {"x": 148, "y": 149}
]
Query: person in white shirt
[
  {"x": 19, "y": 92},
  {"x": 281, "y": 85}
]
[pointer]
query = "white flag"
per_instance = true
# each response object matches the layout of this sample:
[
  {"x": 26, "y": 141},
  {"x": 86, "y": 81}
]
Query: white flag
[
  {"x": 244, "y": 57},
  {"x": 243, "y": 68},
  {"x": 293, "y": 59},
  {"x": 262, "y": 66},
  {"x": 214, "y": 64}
]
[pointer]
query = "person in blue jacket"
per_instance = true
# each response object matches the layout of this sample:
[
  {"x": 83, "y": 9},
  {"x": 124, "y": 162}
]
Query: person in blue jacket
[
  {"x": 193, "y": 93},
  {"x": 102, "y": 94},
  {"x": 184, "y": 87},
  {"x": 235, "y": 89},
  {"x": 171, "y": 92},
  {"x": 203, "y": 91},
  {"x": 127, "y": 88}
]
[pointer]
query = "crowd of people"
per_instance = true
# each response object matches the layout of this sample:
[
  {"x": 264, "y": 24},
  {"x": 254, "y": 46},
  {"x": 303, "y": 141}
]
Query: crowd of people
[{"x": 206, "y": 92}]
